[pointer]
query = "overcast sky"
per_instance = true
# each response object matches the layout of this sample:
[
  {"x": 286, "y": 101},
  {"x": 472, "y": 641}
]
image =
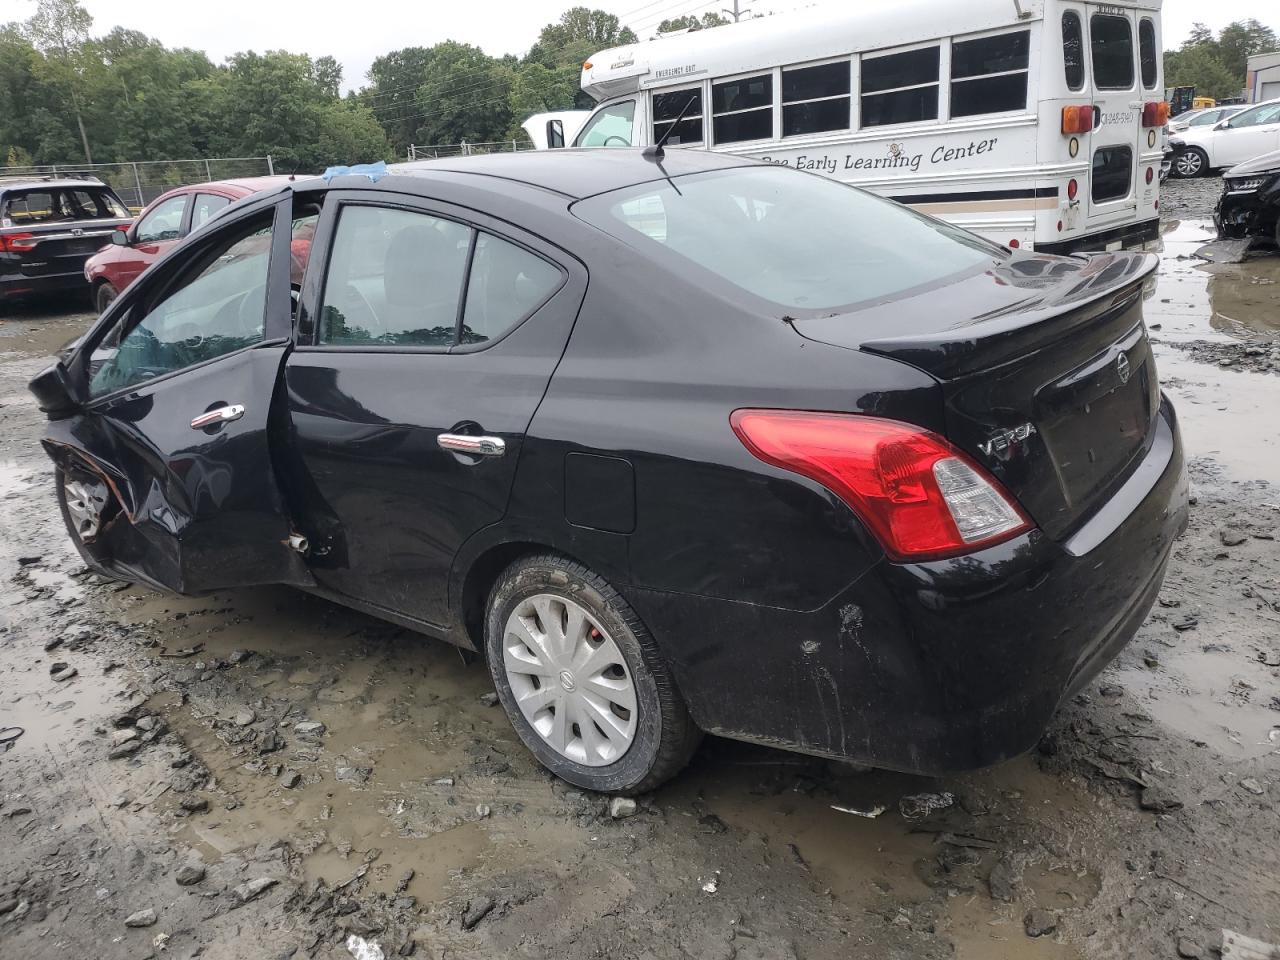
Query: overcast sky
[{"x": 356, "y": 32}]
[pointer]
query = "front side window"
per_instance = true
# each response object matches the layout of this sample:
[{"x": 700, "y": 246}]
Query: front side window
[
  {"x": 612, "y": 126},
  {"x": 399, "y": 278},
  {"x": 206, "y": 205},
  {"x": 1112, "y": 173},
  {"x": 670, "y": 105},
  {"x": 1148, "y": 53},
  {"x": 743, "y": 109},
  {"x": 816, "y": 99},
  {"x": 1256, "y": 117},
  {"x": 798, "y": 243},
  {"x": 215, "y": 307},
  {"x": 1112, "y": 45},
  {"x": 1073, "y": 50},
  {"x": 900, "y": 87},
  {"x": 164, "y": 222},
  {"x": 989, "y": 74}
]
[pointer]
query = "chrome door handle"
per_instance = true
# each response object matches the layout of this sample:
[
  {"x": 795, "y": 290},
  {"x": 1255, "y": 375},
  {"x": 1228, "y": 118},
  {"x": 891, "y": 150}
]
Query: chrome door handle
[
  {"x": 476, "y": 446},
  {"x": 220, "y": 415}
]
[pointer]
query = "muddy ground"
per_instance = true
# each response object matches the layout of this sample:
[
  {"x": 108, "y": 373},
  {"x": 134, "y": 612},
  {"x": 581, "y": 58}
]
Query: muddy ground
[{"x": 231, "y": 826}]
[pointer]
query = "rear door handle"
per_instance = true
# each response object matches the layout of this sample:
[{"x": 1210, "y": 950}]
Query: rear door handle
[
  {"x": 476, "y": 446},
  {"x": 218, "y": 415}
]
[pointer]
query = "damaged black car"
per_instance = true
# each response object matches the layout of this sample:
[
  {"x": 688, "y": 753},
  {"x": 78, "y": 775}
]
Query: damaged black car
[
  {"x": 1250, "y": 202},
  {"x": 677, "y": 445}
]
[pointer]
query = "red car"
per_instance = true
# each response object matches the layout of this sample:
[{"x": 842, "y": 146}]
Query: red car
[{"x": 168, "y": 219}]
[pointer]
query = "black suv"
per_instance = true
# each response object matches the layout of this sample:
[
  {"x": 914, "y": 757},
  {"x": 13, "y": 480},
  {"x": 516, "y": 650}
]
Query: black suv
[{"x": 49, "y": 227}]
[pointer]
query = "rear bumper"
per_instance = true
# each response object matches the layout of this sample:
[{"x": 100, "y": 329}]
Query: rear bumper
[
  {"x": 938, "y": 667},
  {"x": 1130, "y": 235},
  {"x": 15, "y": 285}
]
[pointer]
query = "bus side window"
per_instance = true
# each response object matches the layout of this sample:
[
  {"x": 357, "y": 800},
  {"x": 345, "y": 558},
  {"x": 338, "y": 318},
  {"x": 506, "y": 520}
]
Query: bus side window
[
  {"x": 989, "y": 74},
  {"x": 816, "y": 99},
  {"x": 742, "y": 109},
  {"x": 1073, "y": 50},
  {"x": 1147, "y": 52},
  {"x": 900, "y": 87},
  {"x": 668, "y": 106}
]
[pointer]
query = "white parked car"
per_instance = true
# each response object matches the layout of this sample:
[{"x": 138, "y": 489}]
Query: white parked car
[
  {"x": 1205, "y": 117},
  {"x": 1253, "y": 131}
]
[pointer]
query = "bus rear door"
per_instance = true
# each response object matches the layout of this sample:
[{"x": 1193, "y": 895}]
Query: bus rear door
[{"x": 1112, "y": 195}]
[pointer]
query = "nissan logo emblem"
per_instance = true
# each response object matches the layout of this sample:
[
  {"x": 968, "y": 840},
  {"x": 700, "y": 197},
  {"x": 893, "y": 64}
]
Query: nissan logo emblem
[{"x": 1123, "y": 368}]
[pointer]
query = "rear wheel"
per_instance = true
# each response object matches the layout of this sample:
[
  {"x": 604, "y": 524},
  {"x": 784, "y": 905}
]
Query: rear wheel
[
  {"x": 1191, "y": 162},
  {"x": 582, "y": 680},
  {"x": 104, "y": 296}
]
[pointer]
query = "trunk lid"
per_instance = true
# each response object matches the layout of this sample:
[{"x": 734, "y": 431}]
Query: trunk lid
[
  {"x": 61, "y": 248},
  {"x": 1045, "y": 367}
]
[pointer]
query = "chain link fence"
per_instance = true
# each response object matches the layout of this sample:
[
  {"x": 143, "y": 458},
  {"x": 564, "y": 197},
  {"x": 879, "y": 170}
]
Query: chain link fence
[
  {"x": 138, "y": 183},
  {"x": 441, "y": 151}
]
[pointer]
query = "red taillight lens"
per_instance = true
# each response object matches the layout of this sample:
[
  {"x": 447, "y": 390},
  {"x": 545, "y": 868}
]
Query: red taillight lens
[
  {"x": 1072, "y": 189},
  {"x": 1077, "y": 119},
  {"x": 921, "y": 497},
  {"x": 1151, "y": 174},
  {"x": 17, "y": 242},
  {"x": 1155, "y": 114}
]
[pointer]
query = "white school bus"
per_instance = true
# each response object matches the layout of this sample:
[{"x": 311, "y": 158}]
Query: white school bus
[{"x": 1036, "y": 123}]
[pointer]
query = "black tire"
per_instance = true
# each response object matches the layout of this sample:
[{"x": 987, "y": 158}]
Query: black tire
[
  {"x": 103, "y": 296},
  {"x": 1192, "y": 162},
  {"x": 665, "y": 736}
]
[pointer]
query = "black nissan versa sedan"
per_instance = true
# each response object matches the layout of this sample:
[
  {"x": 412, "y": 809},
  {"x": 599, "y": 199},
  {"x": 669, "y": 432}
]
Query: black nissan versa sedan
[{"x": 679, "y": 444}]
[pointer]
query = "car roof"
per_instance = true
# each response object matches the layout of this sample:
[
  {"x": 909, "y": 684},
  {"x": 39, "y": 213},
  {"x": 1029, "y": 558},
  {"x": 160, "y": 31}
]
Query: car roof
[
  {"x": 46, "y": 183},
  {"x": 575, "y": 173}
]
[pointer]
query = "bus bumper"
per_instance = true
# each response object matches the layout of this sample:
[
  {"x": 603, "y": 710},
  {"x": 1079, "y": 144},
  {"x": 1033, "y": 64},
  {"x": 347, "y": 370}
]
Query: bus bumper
[{"x": 1130, "y": 235}]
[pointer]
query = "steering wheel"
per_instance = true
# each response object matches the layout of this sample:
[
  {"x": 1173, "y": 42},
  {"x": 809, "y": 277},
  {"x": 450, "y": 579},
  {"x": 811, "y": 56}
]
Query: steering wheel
[{"x": 622, "y": 141}]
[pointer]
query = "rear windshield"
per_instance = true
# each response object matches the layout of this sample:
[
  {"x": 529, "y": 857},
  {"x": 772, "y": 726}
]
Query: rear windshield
[
  {"x": 52, "y": 205},
  {"x": 1112, "y": 51},
  {"x": 800, "y": 241}
]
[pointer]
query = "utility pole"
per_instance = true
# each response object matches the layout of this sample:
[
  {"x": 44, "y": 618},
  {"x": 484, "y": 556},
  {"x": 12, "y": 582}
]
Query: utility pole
[{"x": 738, "y": 11}]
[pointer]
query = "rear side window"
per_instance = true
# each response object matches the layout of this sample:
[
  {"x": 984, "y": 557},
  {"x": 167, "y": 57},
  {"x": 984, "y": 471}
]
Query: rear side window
[
  {"x": 398, "y": 278},
  {"x": 798, "y": 243},
  {"x": 1112, "y": 173},
  {"x": 1073, "y": 50},
  {"x": 1147, "y": 53},
  {"x": 989, "y": 74},
  {"x": 816, "y": 99},
  {"x": 206, "y": 205},
  {"x": 507, "y": 284},
  {"x": 900, "y": 87},
  {"x": 1112, "y": 44},
  {"x": 743, "y": 109},
  {"x": 668, "y": 106}
]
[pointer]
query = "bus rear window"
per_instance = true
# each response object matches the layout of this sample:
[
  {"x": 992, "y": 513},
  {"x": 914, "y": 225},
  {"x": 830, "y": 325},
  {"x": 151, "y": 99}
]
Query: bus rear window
[
  {"x": 1112, "y": 173},
  {"x": 1073, "y": 50},
  {"x": 1112, "y": 42},
  {"x": 1147, "y": 52}
]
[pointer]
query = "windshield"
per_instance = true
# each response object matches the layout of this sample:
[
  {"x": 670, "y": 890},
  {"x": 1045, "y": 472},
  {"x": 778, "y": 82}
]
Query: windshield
[{"x": 799, "y": 241}]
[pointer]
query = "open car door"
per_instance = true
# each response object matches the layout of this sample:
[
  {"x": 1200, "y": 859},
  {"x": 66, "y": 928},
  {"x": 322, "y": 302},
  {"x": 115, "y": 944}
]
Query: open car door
[{"x": 161, "y": 419}]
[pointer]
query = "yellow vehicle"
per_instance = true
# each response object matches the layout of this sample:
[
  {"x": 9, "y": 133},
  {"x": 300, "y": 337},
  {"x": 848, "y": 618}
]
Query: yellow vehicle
[{"x": 1203, "y": 103}]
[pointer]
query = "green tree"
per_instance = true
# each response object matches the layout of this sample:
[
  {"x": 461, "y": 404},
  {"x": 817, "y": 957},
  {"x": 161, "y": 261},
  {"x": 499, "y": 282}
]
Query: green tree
[
  {"x": 690, "y": 22},
  {"x": 578, "y": 34},
  {"x": 1197, "y": 66},
  {"x": 60, "y": 31},
  {"x": 1240, "y": 40},
  {"x": 394, "y": 81},
  {"x": 465, "y": 95}
]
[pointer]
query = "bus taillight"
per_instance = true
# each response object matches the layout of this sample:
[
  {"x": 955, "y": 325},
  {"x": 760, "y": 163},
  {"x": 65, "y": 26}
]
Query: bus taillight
[
  {"x": 1072, "y": 189},
  {"x": 1077, "y": 119},
  {"x": 1155, "y": 113}
]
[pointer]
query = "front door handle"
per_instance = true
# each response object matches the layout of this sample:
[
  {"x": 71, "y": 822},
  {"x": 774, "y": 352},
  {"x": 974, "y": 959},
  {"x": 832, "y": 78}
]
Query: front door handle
[
  {"x": 217, "y": 416},
  {"x": 476, "y": 446}
]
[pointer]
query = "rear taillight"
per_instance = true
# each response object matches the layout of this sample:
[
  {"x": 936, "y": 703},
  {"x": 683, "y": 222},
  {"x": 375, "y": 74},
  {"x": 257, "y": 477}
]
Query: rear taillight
[
  {"x": 1073, "y": 188},
  {"x": 1155, "y": 114},
  {"x": 17, "y": 242},
  {"x": 1077, "y": 119},
  {"x": 921, "y": 497}
]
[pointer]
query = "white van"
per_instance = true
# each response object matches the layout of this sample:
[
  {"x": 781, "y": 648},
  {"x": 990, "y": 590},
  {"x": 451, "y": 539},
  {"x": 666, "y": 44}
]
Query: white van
[{"x": 1032, "y": 122}]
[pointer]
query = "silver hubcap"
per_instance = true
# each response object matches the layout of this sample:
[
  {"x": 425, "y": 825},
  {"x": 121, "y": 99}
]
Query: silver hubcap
[
  {"x": 570, "y": 680},
  {"x": 1189, "y": 164},
  {"x": 85, "y": 503}
]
